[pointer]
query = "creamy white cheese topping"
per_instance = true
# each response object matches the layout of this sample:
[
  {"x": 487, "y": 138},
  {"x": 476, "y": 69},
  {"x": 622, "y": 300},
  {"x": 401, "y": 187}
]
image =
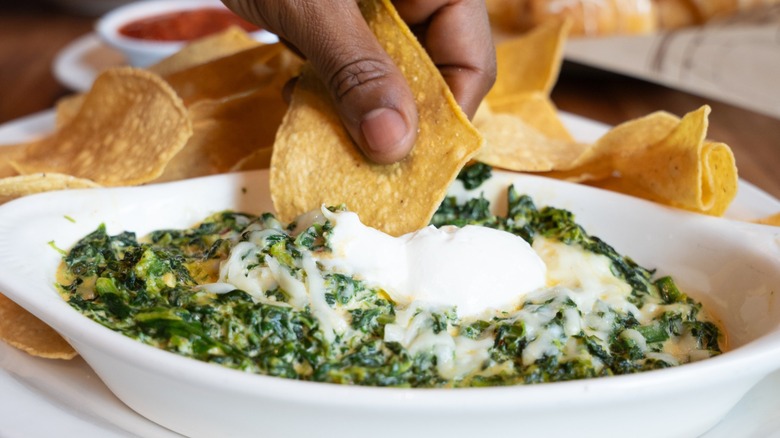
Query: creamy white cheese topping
[
  {"x": 473, "y": 268},
  {"x": 480, "y": 271},
  {"x": 242, "y": 270},
  {"x": 456, "y": 356}
]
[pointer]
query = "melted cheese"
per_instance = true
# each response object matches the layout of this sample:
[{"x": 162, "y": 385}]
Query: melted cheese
[
  {"x": 331, "y": 321},
  {"x": 558, "y": 291},
  {"x": 242, "y": 271},
  {"x": 472, "y": 268}
]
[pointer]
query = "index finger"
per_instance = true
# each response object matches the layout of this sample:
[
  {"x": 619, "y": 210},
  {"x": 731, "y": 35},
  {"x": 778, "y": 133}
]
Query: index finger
[{"x": 456, "y": 34}]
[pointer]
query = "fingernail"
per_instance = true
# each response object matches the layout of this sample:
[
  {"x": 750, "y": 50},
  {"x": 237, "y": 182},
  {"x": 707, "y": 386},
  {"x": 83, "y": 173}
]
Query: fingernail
[{"x": 383, "y": 129}]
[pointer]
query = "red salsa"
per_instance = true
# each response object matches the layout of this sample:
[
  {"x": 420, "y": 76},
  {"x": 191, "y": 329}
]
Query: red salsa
[{"x": 184, "y": 25}]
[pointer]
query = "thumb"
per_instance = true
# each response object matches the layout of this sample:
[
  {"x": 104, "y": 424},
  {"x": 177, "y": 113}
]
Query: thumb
[
  {"x": 374, "y": 102},
  {"x": 369, "y": 92}
]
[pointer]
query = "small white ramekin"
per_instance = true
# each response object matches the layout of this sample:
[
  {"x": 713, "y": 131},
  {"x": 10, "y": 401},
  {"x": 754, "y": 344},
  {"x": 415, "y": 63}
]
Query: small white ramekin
[{"x": 142, "y": 53}]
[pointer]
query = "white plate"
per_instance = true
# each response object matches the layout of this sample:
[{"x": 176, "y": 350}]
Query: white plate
[{"x": 73, "y": 400}]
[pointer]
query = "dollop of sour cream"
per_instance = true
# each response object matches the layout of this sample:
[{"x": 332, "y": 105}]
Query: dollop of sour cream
[{"x": 473, "y": 268}]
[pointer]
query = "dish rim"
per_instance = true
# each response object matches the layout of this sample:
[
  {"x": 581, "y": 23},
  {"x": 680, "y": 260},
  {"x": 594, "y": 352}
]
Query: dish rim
[{"x": 745, "y": 361}]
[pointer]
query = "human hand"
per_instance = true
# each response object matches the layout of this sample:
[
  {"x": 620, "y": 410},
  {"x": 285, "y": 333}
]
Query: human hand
[{"x": 369, "y": 91}]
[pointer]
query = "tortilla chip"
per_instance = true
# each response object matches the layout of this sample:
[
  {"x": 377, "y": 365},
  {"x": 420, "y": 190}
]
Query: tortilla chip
[
  {"x": 259, "y": 159},
  {"x": 226, "y": 131},
  {"x": 315, "y": 162},
  {"x": 231, "y": 120},
  {"x": 198, "y": 52},
  {"x": 716, "y": 192},
  {"x": 529, "y": 63},
  {"x": 599, "y": 161},
  {"x": 512, "y": 144},
  {"x": 21, "y": 329},
  {"x": 130, "y": 125},
  {"x": 67, "y": 108},
  {"x": 684, "y": 170},
  {"x": 205, "y": 49},
  {"x": 773, "y": 220},
  {"x": 525, "y": 132},
  {"x": 537, "y": 111},
  {"x": 22, "y": 185},
  {"x": 238, "y": 73},
  {"x": 664, "y": 159},
  {"x": 719, "y": 179},
  {"x": 9, "y": 153},
  {"x": 624, "y": 186}
]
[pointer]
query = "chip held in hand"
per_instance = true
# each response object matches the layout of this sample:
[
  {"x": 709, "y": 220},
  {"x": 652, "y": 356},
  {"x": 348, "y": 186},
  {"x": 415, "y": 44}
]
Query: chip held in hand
[{"x": 315, "y": 162}]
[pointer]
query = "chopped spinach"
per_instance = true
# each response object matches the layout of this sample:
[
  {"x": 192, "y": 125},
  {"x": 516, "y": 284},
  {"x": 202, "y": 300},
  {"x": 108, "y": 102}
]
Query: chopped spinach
[
  {"x": 473, "y": 175},
  {"x": 152, "y": 290}
]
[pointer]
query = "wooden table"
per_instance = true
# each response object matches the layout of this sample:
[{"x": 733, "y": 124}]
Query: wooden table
[{"x": 31, "y": 35}]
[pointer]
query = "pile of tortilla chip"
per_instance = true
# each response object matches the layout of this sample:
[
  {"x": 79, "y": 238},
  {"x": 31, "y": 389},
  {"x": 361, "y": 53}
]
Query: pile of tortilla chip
[
  {"x": 217, "y": 106},
  {"x": 659, "y": 157},
  {"x": 205, "y": 110}
]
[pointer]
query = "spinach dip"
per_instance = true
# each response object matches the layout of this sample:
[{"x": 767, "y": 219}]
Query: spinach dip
[{"x": 253, "y": 294}]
